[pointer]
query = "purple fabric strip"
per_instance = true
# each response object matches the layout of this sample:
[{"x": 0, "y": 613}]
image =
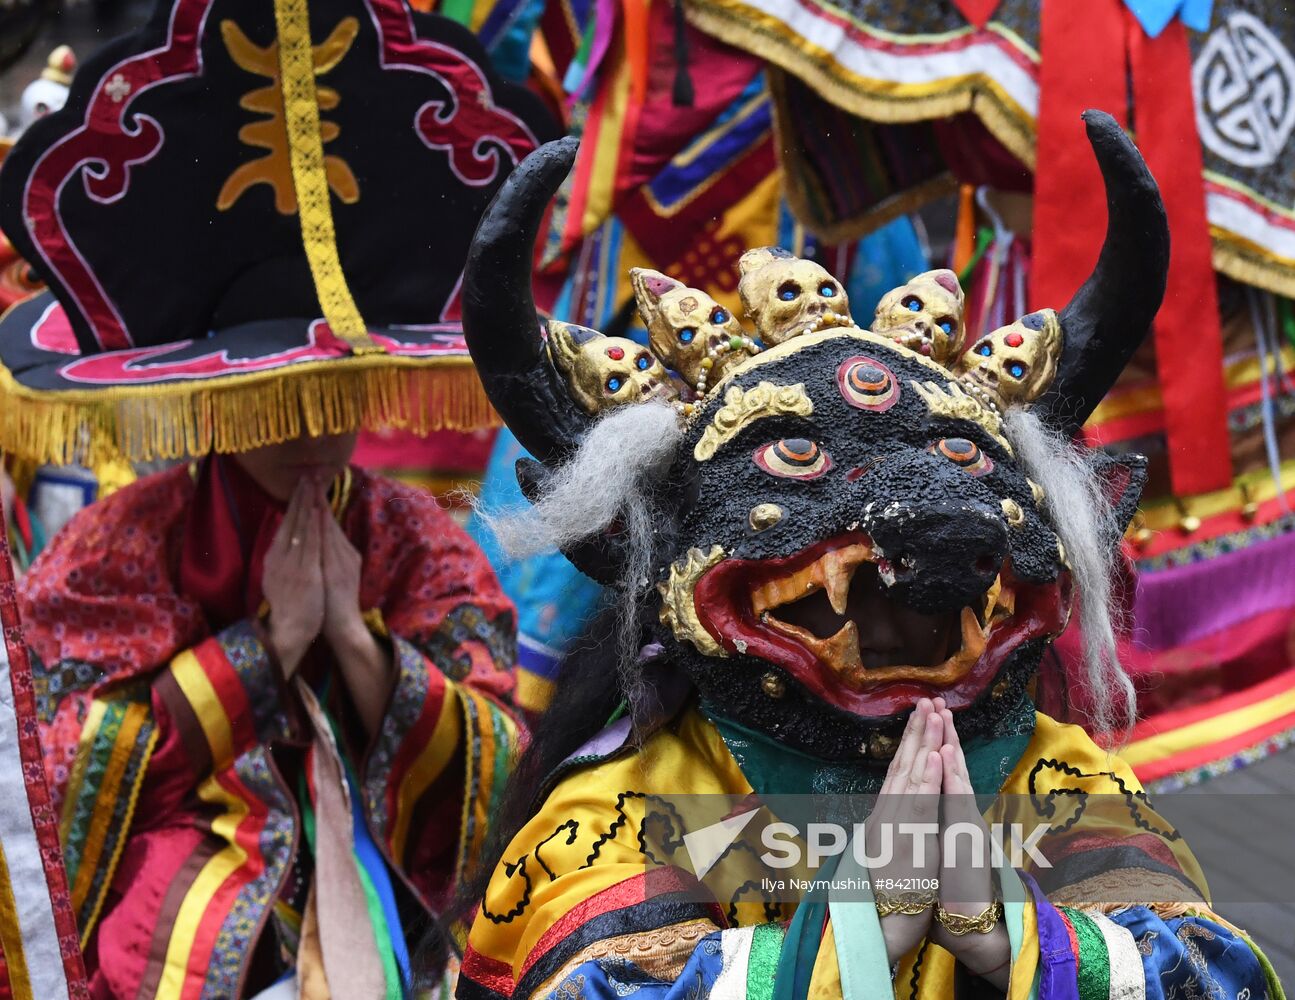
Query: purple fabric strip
[
  {"x": 605, "y": 741},
  {"x": 604, "y": 21},
  {"x": 669, "y": 691},
  {"x": 1177, "y": 606},
  {"x": 1058, "y": 971}
]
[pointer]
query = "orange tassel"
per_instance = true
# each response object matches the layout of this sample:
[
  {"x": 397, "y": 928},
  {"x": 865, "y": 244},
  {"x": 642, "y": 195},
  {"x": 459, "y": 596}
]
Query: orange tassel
[{"x": 964, "y": 236}]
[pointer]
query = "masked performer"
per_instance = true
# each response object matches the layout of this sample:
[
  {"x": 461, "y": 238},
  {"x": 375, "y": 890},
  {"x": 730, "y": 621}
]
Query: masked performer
[
  {"x": 838, "y": 566},
  {"x": 271, "y": 688}
]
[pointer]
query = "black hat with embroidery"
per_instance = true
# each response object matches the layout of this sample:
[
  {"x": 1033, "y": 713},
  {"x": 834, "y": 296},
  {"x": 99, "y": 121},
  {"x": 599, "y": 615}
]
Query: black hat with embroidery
[{"x": 252, "y": 218}]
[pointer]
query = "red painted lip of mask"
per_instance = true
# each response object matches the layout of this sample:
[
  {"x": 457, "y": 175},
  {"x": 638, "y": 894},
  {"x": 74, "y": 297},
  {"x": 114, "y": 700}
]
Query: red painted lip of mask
[{"x": 738, "y": 602}]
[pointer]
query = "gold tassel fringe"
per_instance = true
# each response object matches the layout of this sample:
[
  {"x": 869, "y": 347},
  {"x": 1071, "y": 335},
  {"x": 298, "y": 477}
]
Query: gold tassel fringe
[
  {"x": 880, "y": 101},
  {"x": 238, "y": 413}
]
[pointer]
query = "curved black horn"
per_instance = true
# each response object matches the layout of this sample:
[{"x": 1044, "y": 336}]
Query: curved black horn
[
  {"x": 499, "y": 319},
  {"x": 1110, "y": 315}
]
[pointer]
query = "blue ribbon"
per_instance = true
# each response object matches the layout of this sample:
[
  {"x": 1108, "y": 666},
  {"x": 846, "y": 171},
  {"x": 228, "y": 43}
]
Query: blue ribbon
[{"x": 1155, "y": 15}]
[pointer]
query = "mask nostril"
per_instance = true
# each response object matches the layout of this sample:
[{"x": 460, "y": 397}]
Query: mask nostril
[{"x": 986, "y": 565}]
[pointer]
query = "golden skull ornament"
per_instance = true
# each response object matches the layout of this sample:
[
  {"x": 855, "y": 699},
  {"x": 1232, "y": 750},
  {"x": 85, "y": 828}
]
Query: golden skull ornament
[
  {"x": 604, "y": 372},
  {"x": 686, "y": 327},
  {"x": 926, "y": 314},
  {"x": 785, "y": 295},
  {"x": 1014, "y": 363}
]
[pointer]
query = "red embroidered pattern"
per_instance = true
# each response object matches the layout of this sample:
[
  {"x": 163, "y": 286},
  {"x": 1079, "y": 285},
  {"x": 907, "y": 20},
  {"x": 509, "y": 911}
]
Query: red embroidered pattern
[{"x": 43, "y": 813}]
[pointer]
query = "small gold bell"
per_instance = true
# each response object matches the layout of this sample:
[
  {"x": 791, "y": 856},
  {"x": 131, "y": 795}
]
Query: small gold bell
[
  {"x": 1249, "y": 505},
  {"x": 1187, "y": 523},
  {"x": 1139, "y": 534}
]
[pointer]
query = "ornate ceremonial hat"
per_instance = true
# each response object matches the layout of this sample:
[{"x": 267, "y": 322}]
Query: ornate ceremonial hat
[{"x": 252, "y": 220}]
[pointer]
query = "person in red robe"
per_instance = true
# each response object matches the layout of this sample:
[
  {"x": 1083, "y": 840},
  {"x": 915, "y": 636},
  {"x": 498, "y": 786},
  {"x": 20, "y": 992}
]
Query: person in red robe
[
  {"x": 271, "y": 691},
  {"x": 223, "y": 654}
]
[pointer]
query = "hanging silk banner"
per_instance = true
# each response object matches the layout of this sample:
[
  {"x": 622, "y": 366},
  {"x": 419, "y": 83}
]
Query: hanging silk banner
[{"x": 41, "y": 958}]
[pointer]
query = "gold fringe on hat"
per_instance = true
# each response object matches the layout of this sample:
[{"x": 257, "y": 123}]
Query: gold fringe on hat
[{"x": 239, "y": 412}]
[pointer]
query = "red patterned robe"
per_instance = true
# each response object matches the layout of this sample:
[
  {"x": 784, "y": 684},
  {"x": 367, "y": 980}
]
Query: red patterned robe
[{"x": 162, "y": 740}]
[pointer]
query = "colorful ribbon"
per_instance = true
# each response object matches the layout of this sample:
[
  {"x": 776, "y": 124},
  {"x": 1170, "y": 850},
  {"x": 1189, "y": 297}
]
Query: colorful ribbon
[{"x": 1089, "y": 51}]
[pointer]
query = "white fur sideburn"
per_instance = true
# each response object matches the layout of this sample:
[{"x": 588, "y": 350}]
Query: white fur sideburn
[
  {"x": 608, "y": 478},
  {"x": 1083, "y": 519}
]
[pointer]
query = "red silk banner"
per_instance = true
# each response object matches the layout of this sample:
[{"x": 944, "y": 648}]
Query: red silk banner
[
  {"x": 1082, "y": 66},
  {"x": 1189, "y": 342},
  {"x": 1084, "y": 51},
  {"x": 40, "y": 934}
]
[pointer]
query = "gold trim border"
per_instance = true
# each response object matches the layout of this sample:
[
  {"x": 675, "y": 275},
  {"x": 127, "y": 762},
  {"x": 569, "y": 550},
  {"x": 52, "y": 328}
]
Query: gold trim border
[
  {"x": 309, "y": 178},
  {"x": 235, "y": 413},
  {"x": 746, "y": 27}
]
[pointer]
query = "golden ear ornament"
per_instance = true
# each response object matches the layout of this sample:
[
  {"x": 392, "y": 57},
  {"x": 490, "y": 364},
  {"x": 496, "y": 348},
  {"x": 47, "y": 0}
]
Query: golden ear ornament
[
  {"x": 678, "y": 609},
  {"x": 954, "y": 401}
]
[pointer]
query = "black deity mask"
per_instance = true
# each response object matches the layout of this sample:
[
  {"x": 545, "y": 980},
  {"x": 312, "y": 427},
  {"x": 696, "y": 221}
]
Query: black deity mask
[{"x": 846, "y": 526}]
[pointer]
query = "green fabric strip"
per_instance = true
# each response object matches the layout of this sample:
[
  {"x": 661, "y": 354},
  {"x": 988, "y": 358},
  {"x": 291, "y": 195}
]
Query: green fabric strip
[
  {"x": 381, "y": 934},
  {"x": 984, "y": 237},
  {"x": 1275, "y": 990},
  {"x": 762, "y": 966},
  {"x": 804, "y": 938},
  {"x": 1286, "y": 313},
  {"x": 1094, "y": 962},
  {"x": 860, "y": 946},
  {"x": 586, "y": 47},
  {"x": 105, "y": 738},
  {"x": 503, "y": 762},
  {"x": 307, "y": 809},
  {"x": 799, "y": 951}
]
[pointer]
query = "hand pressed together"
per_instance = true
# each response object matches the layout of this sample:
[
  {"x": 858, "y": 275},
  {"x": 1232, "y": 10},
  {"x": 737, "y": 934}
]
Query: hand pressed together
[
  {"x": 928, "y": 783},
  {"x": 343, "y": 620},
  {"x": 293, "y": 578},
  {"x": 311, "y": 581}
]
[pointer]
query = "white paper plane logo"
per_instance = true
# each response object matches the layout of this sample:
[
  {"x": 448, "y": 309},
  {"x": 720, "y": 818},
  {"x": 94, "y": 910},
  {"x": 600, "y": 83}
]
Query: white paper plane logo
[{"x": 706, "y": 846}]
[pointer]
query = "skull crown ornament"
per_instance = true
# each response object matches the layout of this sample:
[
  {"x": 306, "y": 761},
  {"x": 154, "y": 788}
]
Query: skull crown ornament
[
  {"x": 1016, "y": 363},
  {"x": 926, "y": 314},
  {"x": 837, "y": 474}
]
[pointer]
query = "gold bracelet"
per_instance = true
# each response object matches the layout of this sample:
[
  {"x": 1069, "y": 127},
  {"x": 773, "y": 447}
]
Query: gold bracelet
[
  {"x": 911, "y": 904},
  {"x": 958, "y": 925}
]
